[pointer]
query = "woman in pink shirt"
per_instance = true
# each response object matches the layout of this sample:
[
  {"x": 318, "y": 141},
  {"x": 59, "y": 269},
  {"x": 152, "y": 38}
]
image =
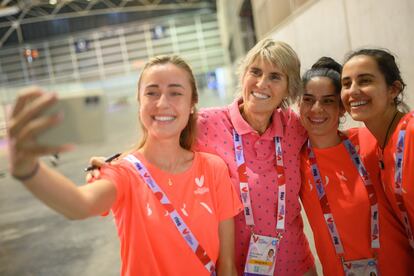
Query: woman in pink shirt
[
  {"x": 270, "y": 137},
  {"x": 260, "y": 137},
  {"x": 173, "y": 207}
]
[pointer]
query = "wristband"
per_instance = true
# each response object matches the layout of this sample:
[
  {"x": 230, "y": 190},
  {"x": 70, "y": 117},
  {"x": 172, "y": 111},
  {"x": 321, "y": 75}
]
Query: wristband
[{"x": 28, "y": 175}]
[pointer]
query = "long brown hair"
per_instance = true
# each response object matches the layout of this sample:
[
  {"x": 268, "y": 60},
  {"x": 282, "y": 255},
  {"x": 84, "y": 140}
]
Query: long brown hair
[{"x": 187, "y": 136}]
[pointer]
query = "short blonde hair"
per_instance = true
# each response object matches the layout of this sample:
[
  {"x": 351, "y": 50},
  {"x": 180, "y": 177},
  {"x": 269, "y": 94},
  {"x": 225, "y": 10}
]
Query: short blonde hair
[
  {"x": 188, "y": 134},
  {"x": 284, "y": 57}
]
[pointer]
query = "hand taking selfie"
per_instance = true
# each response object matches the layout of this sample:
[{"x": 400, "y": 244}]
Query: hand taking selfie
[{"x": 25, "y": 123}]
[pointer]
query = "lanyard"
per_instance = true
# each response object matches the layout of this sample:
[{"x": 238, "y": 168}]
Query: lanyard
[
  {"x": 323, "y": 199},
  {"x": 244, "y": 186},
  {"x": 179, "y": 223},
  {"x": 398, "y": 176}
]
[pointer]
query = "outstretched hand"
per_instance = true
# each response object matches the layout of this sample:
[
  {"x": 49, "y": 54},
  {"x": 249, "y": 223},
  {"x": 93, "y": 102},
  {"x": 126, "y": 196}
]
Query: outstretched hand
[{"x": 24, "y": 124}]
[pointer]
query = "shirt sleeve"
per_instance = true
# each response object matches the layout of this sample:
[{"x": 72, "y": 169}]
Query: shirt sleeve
[
  {"x": 228, "y": 201},
  {"x": 117, "y": 174},
  {"x": 295, "y": 128},
  {"x": 201, "y": 142},
  {"x": 209, "y": 125}
]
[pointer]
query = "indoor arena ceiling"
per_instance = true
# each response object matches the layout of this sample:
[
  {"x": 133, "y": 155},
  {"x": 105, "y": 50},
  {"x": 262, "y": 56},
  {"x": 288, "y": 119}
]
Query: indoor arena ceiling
[{"x": 24, "y": 20}]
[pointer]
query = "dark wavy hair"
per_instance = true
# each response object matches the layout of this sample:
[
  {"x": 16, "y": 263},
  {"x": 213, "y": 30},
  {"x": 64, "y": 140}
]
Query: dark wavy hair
[
  {"x": 325, "y": 67},
  {"x": 388, "y": 67}
]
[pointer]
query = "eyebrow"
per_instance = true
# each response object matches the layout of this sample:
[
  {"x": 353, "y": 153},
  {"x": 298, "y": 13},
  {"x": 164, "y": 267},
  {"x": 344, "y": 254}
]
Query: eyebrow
[
  {"x": 170, "y": 85},
  {"x": 277, "y": 73},
  {"x": 366, "y": 75},
  {"x": 360, "y": 76},
  {"x": 325, "y": 96},
  {"x": 273, "y": 72},
  {"x": 255, "y": 68}
]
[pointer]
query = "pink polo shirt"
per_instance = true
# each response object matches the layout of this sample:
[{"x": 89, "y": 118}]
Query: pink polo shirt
[{"x": 215, "y": 128}]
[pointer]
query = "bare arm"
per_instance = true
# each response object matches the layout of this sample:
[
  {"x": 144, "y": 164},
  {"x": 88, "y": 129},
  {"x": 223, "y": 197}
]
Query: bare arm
[
  {"x": 51, "y": 187},
  {"x": 226, "y": 263},
  {"x": 62, "y": 195}
]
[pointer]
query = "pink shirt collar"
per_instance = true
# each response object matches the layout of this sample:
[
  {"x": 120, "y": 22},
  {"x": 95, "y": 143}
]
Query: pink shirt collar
[{"x": 242, "y": 127}]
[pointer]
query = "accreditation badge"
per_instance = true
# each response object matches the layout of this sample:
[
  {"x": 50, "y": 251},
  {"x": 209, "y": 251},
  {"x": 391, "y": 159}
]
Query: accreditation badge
[
  {"x": 364, "y": 267},
  {"x": 261, "y": 256}
]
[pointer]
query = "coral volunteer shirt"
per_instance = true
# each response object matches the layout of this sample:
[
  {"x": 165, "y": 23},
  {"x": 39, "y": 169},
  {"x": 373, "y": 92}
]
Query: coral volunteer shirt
[
  {"x": 349, "y": 202},
  {"x": 215, "y": 135},
  {"x": 150, "y": 242},
  {"x": 388, "y": 175}
]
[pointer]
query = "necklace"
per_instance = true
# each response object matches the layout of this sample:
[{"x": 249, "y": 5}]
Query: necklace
[
  {"x": 388, "y": 130},
  {"x": 382, "y": 166}
]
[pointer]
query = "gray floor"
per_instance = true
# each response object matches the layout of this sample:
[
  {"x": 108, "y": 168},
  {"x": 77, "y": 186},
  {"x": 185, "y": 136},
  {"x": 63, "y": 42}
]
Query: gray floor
[{"x": 36, "y": 241}]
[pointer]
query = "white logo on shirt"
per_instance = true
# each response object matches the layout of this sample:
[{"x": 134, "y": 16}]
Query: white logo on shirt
[
  {"x": 149, "y": 211},
  {"x": 326, "y": 180},
  {"x": 200, "y": 183},
  {"x": 341, "y": 176},
  {"x": 207, "y": 207},
  {"x": 184, "y": 211}
]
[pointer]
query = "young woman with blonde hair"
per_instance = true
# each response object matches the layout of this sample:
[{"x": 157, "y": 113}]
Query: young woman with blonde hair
[{"x": 173, "y": 207}]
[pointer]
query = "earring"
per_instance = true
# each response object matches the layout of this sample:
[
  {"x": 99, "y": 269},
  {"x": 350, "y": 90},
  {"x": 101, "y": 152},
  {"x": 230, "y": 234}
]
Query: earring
[{"x": 192, "y": 110}]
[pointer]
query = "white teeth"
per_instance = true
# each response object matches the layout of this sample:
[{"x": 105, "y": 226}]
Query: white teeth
[
  {"x": 359, "y": 103},
  {"x": 164, "y": 118},
  {"x": 317, "y": 120},
  {"x": 260, "y": 95}
]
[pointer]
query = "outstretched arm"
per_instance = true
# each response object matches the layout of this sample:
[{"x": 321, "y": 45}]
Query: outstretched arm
[
  {"x": 62, "y": 195},
  {"x": 58, "y": 192}
]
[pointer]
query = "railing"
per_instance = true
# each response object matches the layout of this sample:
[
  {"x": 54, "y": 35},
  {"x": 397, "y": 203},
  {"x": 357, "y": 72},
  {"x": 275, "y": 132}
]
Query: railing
[{"x": 104, "y": 53}]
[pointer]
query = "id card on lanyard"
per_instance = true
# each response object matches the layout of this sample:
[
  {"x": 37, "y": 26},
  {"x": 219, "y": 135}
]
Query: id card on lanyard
[
  {"x": 365, "y": 267},
  {"x": 261, "y": 255},
  {"x": 351, "y": 267},
  {"x": 263, "y": 250}
]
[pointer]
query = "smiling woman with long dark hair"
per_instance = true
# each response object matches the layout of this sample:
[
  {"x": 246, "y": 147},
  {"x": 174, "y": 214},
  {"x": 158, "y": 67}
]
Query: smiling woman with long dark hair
[{"x": 372, "y": 93}]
